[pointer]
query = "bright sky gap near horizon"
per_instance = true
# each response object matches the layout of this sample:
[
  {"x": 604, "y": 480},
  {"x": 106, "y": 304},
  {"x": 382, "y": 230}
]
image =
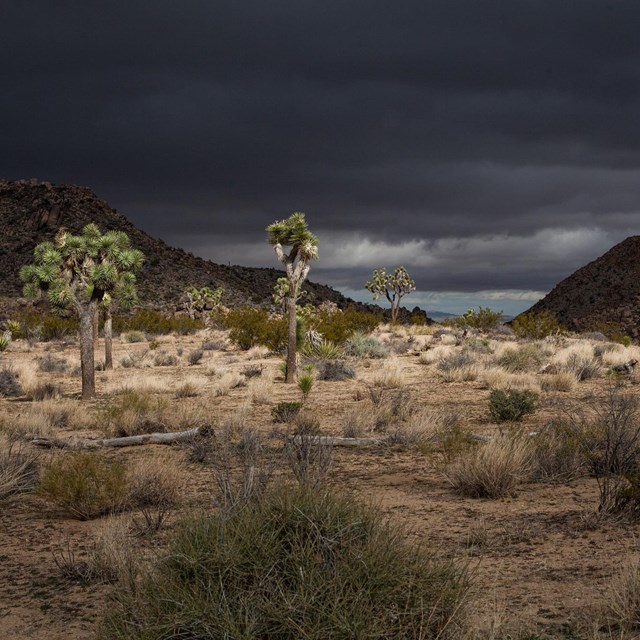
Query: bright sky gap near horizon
[{"x": 490, "y": 147}]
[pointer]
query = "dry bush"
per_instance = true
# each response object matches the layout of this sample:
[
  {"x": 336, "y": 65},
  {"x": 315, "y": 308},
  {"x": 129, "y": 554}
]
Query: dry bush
[
  {"x": 228, "y": 381},
  {"x": 164, "y": 359},
  {"x": 132, "y": 412},
  {"x": 195, "y": 356},
  {"x": 85, "y": 485},
  {"x": 257, "y": 353},
  {"x": 50, "y": 364},
  {"x": 561, "y": 381},
  {"x": 44, "y": 417},
  {"x": 156, "y": 488},
  {"x": 497, "y": 378},
  {"x": 136, "y": 359},
  {"x": 113, "y": 557},
  {"x": 132, "y": 336},
  {"x": 308, "y": 455},
  {"x": 461, "y": 374},
  {"x": 622, "y": 599},
  {"x": 621, "y": 355},
  {"x": 190, "y": 387},
  {"x": 390, "y": 376},
  {"x": 526, "y": 357},
  {"x": 260, "y": 391},
  {"x": 358, "y": 421},
  {"x": 435, "y": 354},
  {"x": 44, "y": 391},
  {"x": 10, "y": 386},
  {"x": 493, "y": 470},
  {"x": 18, "y": 469},
  {"x": 557, "y": 453},
  {"x": 417, "y": 429}
]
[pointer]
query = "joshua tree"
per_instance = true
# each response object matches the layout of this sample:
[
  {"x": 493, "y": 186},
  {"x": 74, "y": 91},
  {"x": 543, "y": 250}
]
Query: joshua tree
[
  {"x": 199, "y": 299},
  {"x": 293, "y": 232},
  {"x": 82, "y": 273},
  {"x": 393, "y": 286}
]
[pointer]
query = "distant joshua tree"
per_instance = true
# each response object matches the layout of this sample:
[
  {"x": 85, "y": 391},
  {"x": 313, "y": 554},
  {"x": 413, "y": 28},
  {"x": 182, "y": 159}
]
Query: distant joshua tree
[
  {"x": 293, "y": 232},
  {"x": 83, "y": 274},
  {"x": 199, "y": 299},
  {"x": 393, "y": 286}
]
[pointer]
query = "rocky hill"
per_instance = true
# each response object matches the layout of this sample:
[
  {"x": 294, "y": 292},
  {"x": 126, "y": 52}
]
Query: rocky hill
[
  {"x": 603, "y": 295},
  {"x": 31, "y": 211}
]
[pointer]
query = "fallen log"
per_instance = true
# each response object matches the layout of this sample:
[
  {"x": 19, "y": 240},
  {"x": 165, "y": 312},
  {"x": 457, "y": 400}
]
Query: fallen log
[
  {"x": 125, "y": 441},
  {"x": 338, "y": 441}
]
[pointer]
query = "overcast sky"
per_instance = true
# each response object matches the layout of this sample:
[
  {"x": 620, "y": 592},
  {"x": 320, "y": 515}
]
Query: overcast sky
[{"x": 491, "y": 147}]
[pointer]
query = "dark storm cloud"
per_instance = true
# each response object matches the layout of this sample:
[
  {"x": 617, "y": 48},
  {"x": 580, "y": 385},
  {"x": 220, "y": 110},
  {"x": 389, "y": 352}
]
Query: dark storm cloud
[{"x": 463, "y": 137}]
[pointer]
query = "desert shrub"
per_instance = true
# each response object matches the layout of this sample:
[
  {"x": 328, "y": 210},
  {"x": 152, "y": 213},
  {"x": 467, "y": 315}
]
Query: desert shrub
[
  {"x": 187, "y": 389},
  {"x": 511, "y": 405},
  {"x": 562, "y": 381},
  {"x": 132, "y": 412},
  {"x": 45, "y": 391},
  {"x": 285, "y": 411},
  {"x": 18, "y": 470},
  {"x": 50, "y": 364},
  {"x": 13, "y": 328},
  {"x": 492, "y": 470},
  {"x": 131, "y": 337},
  {"x": 537, "y": 325},
  {"x": 155, "y": 488},
  {"x": 557, "y": 453},
  {"x": 338, "y": 327},
  {"x": 334, "y": 370},
  {"x": 112, "y": 557},
  {"x": 164, "y": 359},
  {"x": 153, "y": 322},
  {"x": 484, "y": 319},
  {"x": 85, "y": 485},
  {"x": 308, "y": 454},
  {"x": 622, "y": 599},
  {"x": 214, "y": 345},
  {"x": 195, "y": 356},
  {"x": 297, "y": 564},
  {"x": 135, "y": 359},
  {"x": 250, "y": 327},
  {"x": 583, "y": 368},
  {"x": 10, "y": 386},
  {"x": 252, "y": 371},
  {"x": 362, "y": 345},
  {"x": 456, "y": 360},
  {"x": 47, "y": 327},
  {"x": 527, "y": 357}
]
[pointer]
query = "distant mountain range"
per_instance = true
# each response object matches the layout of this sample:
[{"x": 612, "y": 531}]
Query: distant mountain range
[{"x": 31, "y": 211}]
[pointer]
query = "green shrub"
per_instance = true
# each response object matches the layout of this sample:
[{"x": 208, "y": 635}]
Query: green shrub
[
  {"x": 484, "y": 319},
  {"x": 296, "y": 564},
  {"x": 13, "y": 327},
  {"x": 85, "y": 485},
  {"x": 360, "y": 345},
  {"x": 527, "y": 357},
  {"x": 285, "y": 411},
  {"x": 537, "y": 325},
  {"x": 511, "y": 405},
  {"x": 338, "y": 327},
  {"x": 5, "y": 341},
  {"x": 250, "y": 327},
  {"x": 132, "y": 337}
]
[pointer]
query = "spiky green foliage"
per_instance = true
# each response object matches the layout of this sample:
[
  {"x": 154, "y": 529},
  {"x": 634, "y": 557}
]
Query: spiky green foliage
[
  {"x": 81, "y": 274},
  {"x": 75, "y": 270},
  {"x": 293, "y": 235},
  {"x": 393, "y": 286},
  {"x": 200, "y": 299}
]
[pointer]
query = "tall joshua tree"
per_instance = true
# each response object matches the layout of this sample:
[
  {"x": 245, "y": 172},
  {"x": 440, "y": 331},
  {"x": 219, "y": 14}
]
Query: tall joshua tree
[
  {"x": 82, "y": 273},
  {"x": 293, "y": 233}
]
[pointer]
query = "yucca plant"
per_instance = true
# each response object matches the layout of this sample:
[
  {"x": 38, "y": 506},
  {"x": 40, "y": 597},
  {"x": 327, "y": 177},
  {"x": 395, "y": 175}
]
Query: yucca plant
[
  {"x": 81, "y": 274},
  {"x": 294, "y": 233}
]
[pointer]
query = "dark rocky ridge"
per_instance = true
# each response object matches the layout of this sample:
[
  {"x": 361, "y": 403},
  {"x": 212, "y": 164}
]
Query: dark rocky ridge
[
  {"x": 604, "y": 294},
  {"x": 31, "y": 211}
]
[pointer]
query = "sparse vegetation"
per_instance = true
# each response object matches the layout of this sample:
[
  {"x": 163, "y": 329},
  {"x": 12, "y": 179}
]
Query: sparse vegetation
[{"x": 511, "y": 405}]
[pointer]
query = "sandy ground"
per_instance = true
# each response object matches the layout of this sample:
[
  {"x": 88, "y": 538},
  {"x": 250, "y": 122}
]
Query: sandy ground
[{"x": 540, "y": 561}]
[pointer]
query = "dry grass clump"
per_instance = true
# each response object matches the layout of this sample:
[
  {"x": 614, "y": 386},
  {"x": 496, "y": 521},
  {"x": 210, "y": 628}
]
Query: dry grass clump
[
  {"x": 113, "y": 557},
  {"x": 561, "y": 381},
  {"x": 526, "y": 357},
  {"x": 42, "y": 418},
  {"x": 436, "y": 354},
  {"x": 50, "y": 364},
  {"x": 18, "y": 469},
  {"x": 226, "y": 382},
  {"x": 493, "y": 470},
  {"x": 44, "y": 391},
  {"x": 497, "y": 378},
  {"x": 260, "y": 391},
  {"x": 190, "y": 387},
  {"x": 294, "y": 564},
  {"x": 622, "y": 599},
  {"x": 85, "y": 485},
  {"x": 142, "y": 382},
  {"x": 621, "y": 355},
  {"x": 136, "y": 359},
  {"x": 156, "y": 488},
  {"x": 258, "y": 352},
  {"x": 132, "y": 412},
  {"x": 389, "y": 376},
  {"x": 558, "y": 452}
]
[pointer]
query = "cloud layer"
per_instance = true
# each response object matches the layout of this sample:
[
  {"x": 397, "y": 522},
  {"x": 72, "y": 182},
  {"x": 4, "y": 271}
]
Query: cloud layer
[{"x": 483, "y": 144}]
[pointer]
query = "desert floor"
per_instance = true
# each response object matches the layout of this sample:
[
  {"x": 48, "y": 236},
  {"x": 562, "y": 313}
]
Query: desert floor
[{"x": 542, "y": 561}]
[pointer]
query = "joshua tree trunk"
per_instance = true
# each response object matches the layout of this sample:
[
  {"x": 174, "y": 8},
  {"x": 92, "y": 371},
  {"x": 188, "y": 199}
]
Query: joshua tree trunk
[
  {"x": 87, "y": 313},
  {"x": 291, "y": 349},
  {"x": 96, "y": 326},
  {"x": 108, "y": 339}
]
